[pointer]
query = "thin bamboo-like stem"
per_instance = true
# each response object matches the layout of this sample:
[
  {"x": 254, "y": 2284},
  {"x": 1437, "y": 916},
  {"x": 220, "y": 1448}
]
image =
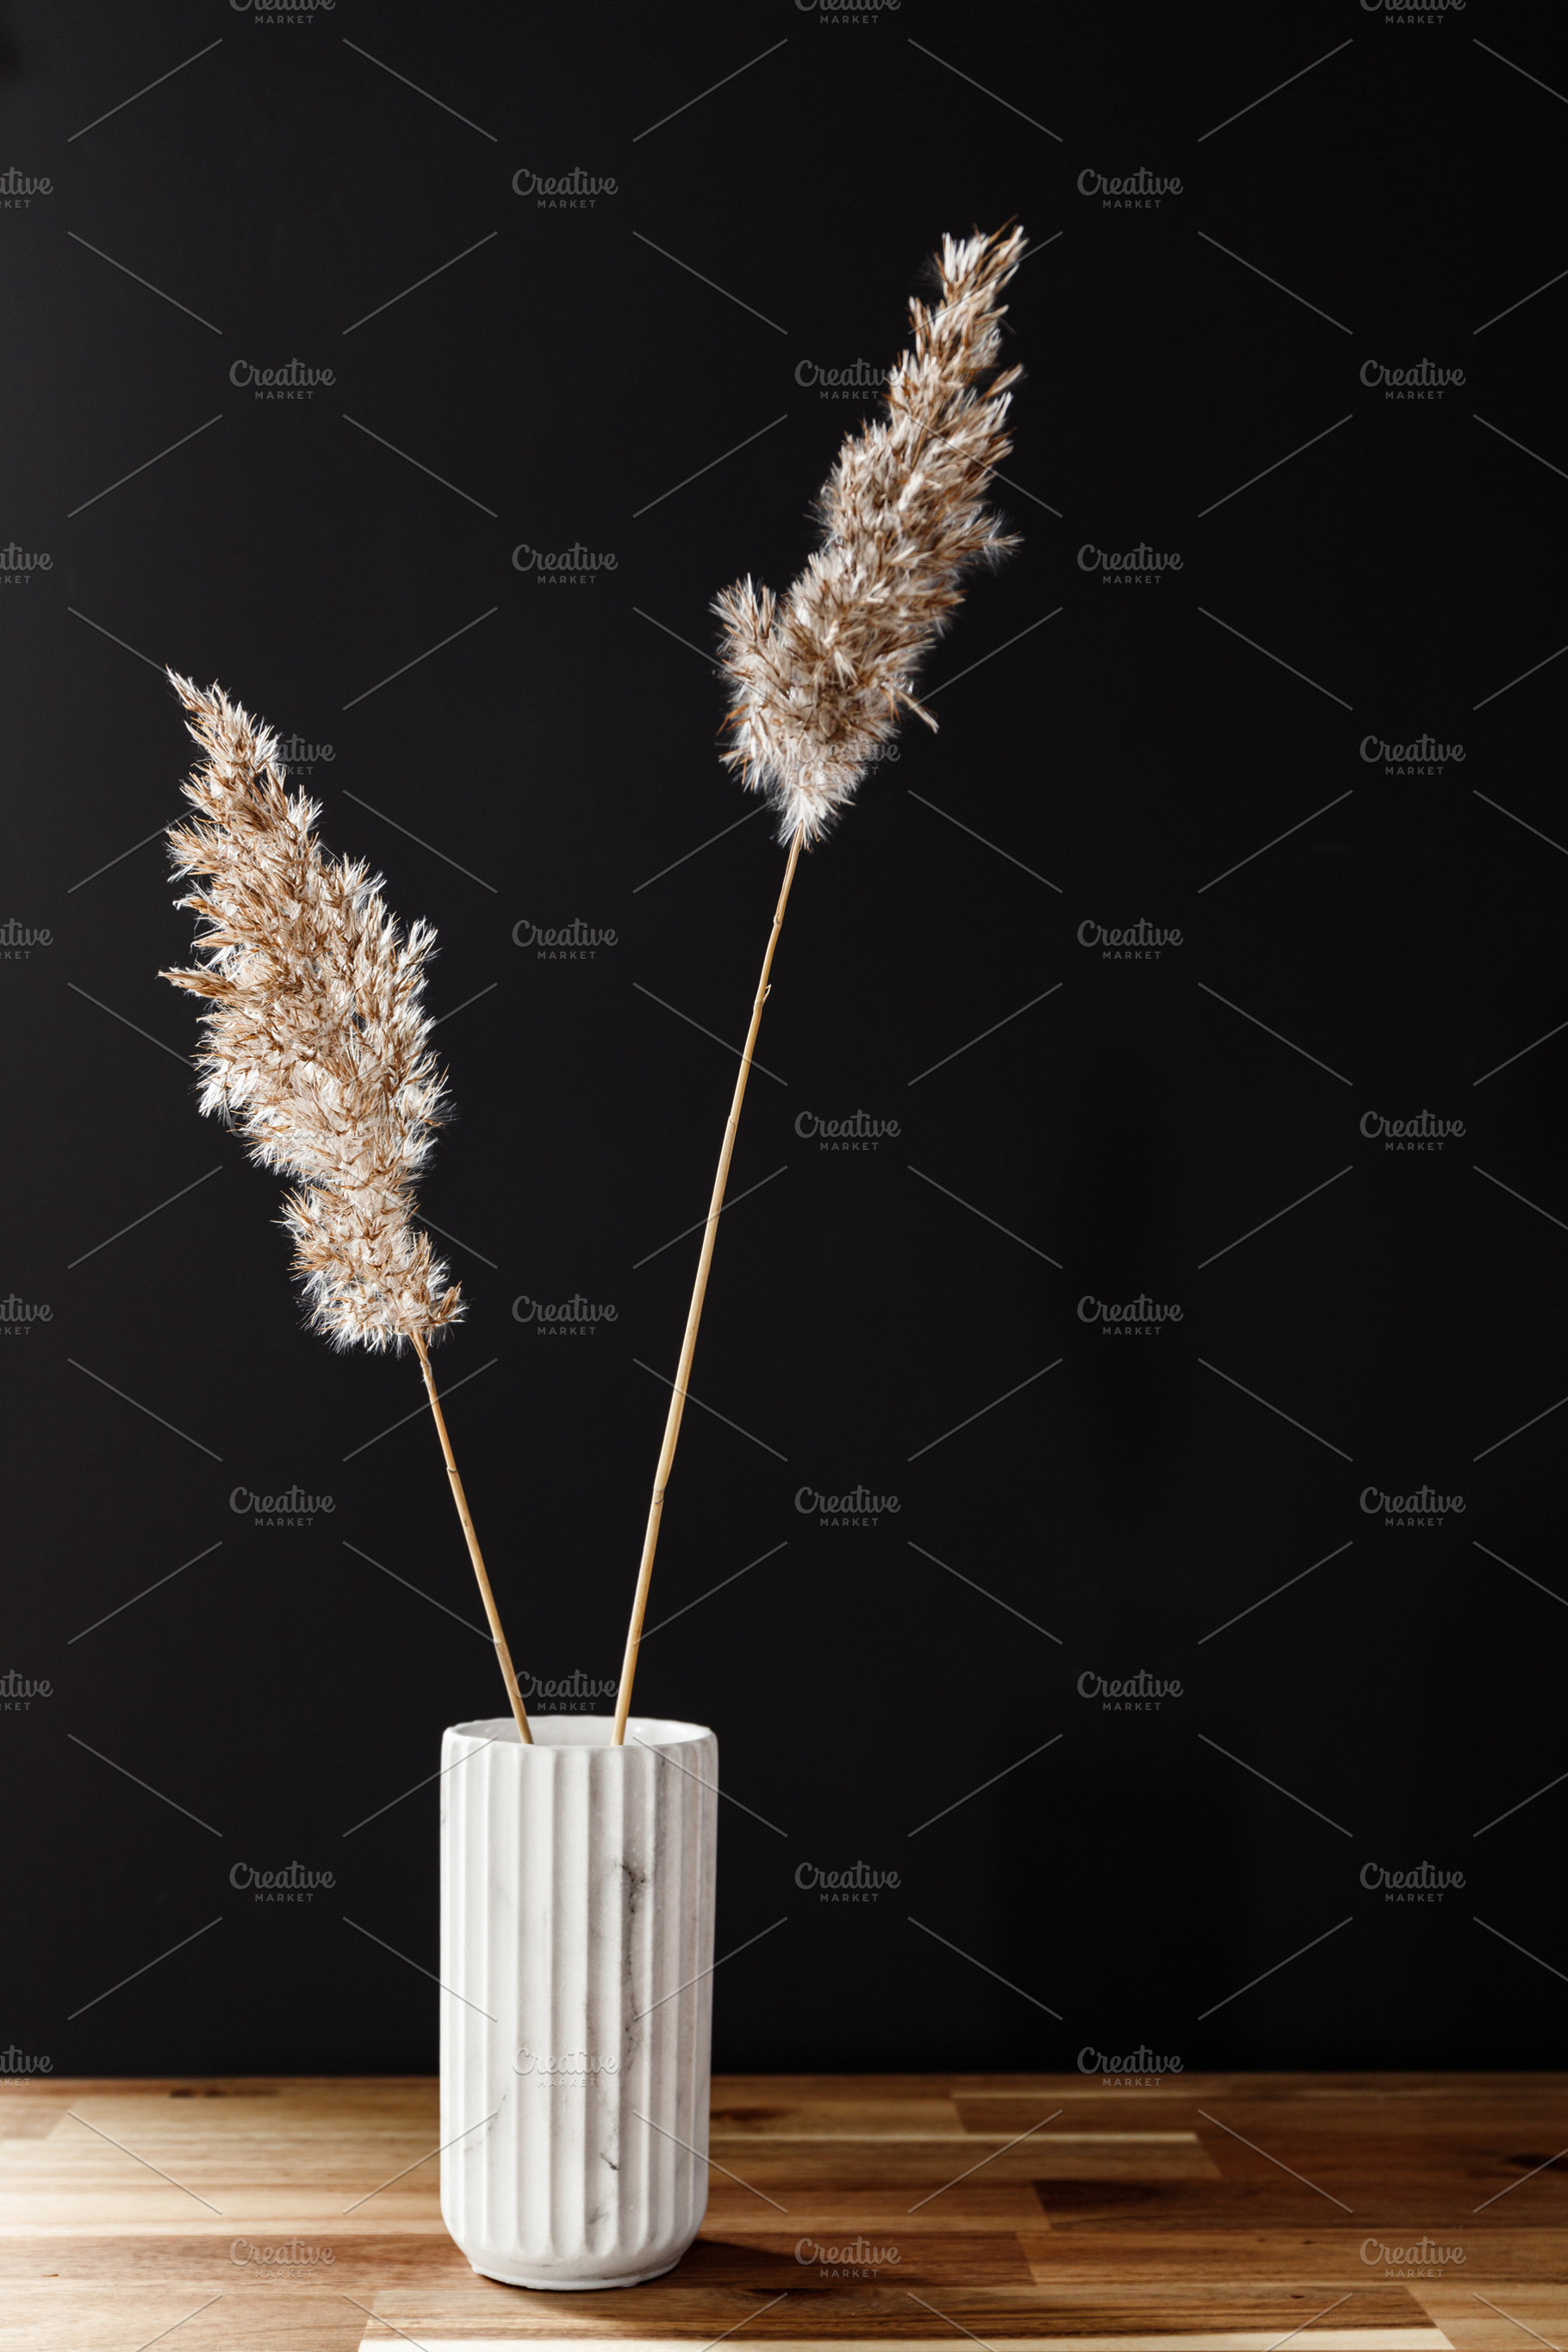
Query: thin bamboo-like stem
[
  {"x": 509, "y": 1672},
  {"x": 694, "y": 1315}
]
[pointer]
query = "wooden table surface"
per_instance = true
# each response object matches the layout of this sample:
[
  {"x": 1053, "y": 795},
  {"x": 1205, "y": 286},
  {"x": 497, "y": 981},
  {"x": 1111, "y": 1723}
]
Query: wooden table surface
[{"x": 1375, "y": 2213}]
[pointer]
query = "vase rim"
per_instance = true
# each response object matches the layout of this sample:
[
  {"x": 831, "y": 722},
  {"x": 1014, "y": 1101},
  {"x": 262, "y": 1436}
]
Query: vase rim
[{"x": 583, "y": 1731}]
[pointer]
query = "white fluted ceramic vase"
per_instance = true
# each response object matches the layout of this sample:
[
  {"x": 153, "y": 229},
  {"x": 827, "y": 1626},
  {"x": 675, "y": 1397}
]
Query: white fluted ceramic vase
[{"x": 576, "y": 2005}]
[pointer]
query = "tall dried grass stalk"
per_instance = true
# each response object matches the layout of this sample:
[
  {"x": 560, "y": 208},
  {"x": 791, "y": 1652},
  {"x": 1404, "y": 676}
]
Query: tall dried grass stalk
[
  {"x": 821, "y": 680},
  {"x": 315, "y": 1048}
]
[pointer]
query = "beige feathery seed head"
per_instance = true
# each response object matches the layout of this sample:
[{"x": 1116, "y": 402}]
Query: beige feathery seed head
[
  {"x": 822, "y": 677},
  {"x": 315, "y": 1045}
]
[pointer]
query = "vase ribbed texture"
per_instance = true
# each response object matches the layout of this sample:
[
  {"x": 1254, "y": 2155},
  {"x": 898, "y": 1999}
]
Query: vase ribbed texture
[{"x": 576, "y": 1941}]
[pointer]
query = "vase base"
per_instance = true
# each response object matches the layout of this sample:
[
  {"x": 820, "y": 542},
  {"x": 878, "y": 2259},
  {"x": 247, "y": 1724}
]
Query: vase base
[{"x": 572, "y": 2285}]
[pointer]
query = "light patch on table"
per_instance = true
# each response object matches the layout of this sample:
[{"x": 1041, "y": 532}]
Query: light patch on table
[{"x": 1321, "y": 2339}]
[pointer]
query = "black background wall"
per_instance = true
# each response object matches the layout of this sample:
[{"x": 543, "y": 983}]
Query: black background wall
[{"x": 202, "y": 191}]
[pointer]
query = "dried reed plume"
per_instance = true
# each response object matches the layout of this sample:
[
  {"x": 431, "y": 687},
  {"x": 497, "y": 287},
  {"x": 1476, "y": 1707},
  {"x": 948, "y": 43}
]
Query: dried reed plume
[
  {"x": 315, "y": 1048},
  {"x": 822, "y": 679}
]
